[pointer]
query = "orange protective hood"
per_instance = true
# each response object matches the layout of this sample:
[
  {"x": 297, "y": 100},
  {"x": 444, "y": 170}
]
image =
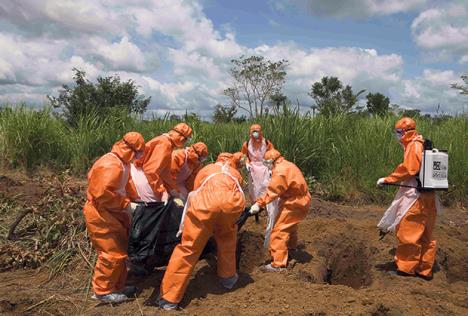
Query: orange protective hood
[
  {"x": 200, "y": 149},
  {"x": 232, "y": 159},
  {"x": 179, "y": 134},
  {"x": 408, "y": 137},
  {"x": 128, "y": 146},
  {"x": 406, "y": 124},
  {"x": 258, "y": 128}
]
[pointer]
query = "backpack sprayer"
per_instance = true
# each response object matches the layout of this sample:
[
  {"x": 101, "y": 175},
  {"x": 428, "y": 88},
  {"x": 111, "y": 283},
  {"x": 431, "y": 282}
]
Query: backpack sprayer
[{"x": 434, "y": 170}]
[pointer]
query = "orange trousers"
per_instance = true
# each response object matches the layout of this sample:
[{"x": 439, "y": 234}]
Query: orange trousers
[
  {"x": 109, "y": 237},
  {"x": 199, "y": 226},
  {"x": 416, "y": 250},
  {"x": 284, "y": 234}
]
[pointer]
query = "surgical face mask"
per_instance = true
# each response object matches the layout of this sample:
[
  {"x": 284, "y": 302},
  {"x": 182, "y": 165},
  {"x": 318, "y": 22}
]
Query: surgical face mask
[
  {"x": 203, "y": 159},
  {"x": 268, "y": 163},
  {"x": 188, "y": 140},
  {"x": 256, "y": 134}
]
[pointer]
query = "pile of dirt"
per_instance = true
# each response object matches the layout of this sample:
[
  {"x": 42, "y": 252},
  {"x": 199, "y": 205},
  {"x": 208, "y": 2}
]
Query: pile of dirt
[{"x": 341, "y": 268}]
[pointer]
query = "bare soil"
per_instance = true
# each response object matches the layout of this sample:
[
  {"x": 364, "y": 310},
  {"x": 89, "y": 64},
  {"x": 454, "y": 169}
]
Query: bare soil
[{"x": 341, "y": 268}]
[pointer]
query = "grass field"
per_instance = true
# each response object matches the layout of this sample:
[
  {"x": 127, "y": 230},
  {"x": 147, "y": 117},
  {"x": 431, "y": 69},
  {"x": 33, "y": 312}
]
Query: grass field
[{"x": 342, "y": 156}]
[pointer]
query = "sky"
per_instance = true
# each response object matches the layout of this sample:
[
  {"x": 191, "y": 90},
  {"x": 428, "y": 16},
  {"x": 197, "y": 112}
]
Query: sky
[{"x": 179, "y": 52}]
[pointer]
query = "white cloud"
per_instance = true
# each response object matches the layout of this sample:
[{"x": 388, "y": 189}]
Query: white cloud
[
  {"x": 123, "y": 55},
  {"x": 61, "y": 18},
  {"x": 352, "y": 8},
  {"x": 174, "y": 53},
  {"x": 362, "y": 68},
  {"x": 187, "y": 24},
  {"x": 443, "y": 30},
  {"x": 37, "y": 62},
  {"x": 429, "y": 90}
]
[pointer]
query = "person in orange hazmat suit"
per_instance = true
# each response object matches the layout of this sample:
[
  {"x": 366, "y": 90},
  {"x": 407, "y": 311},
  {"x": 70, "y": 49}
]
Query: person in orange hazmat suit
[
  {"x": 288, "y": 184},
  {"x": 415, "y": 212},
  {"x": 151, "y": 176},
  {"x": 107, "y": 215},
  {"x": 212, "y": 209},
  {"x": 186, "y": 163},
  {"x": 255, "y": 149}
]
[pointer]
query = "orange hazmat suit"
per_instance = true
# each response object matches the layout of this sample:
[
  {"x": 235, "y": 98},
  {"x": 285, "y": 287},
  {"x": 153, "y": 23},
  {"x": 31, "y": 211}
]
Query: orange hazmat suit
[
  {"x": 213, "y": 209},
  {"x": 156, "y": 162},
  {"x": 256, "y": 143},
  {"x": 416, "y": 248},
  {"x": 288, "y": 184},
  {"x": 255, "y": 149},
  {"x": 186, "y": 163},
  {"x": 107, "y": 220}
]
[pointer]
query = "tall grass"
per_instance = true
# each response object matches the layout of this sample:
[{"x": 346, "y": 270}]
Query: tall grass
[{"x": 343, "y": 156}]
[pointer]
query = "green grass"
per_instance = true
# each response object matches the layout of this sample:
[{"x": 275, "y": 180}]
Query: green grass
[{"x": 342, "y": 155}]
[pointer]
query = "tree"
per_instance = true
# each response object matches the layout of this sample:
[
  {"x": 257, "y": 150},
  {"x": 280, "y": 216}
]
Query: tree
[
  {"x": 254, "y": 81},
  {"x": 224, "y": 113},
  {"x": 463, "y": 89},
  {"x": 410, "y": 113},
  {"x": 278, "y": 103},
  {"x": 100, "y": 98},
  {"x": 331, "y": 98},
  {"x": 377, "y": 104}
]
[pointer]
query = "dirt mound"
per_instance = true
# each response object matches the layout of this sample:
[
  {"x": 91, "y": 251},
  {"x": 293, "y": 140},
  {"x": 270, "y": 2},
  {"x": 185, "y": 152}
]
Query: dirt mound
[{"x": 340, "y": 268}]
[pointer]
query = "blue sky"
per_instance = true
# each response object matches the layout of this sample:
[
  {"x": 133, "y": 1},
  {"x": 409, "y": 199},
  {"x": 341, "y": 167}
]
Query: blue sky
[{"x": 179, "y": 51}]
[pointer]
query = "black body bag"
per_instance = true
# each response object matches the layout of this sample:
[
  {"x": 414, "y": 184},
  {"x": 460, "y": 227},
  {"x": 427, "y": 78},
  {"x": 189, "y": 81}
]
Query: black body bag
[{"x": 153, "y": 234}]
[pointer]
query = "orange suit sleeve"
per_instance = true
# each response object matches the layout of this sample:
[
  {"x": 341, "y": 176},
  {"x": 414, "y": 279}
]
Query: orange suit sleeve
[
  {"x": 270, "y": 145},
  {"x": 177, "y": 162},
  {"x": 104, "y": 181},
  {"x": 277, "y": 186},
  {"x": 131, "y": 190},
  {"x": 411, "y": 163},
  {"x": 158, "y": 164},
  {"x": 245, "y": 151}
]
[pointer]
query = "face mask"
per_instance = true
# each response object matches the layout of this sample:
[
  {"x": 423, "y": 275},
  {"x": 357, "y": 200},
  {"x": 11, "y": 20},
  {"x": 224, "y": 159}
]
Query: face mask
[
  {"x": 256, "y": 134},
  {"x": 188, "y": 140},
  {"x": 203, "y": 159}
]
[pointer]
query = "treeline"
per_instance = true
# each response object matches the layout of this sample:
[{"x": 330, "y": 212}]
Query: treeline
[{"x": 342, "y": 156}]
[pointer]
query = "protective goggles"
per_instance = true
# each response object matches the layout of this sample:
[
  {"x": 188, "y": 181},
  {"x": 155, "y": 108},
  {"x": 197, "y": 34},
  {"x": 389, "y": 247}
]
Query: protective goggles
[{"x": 399, "y": 133}]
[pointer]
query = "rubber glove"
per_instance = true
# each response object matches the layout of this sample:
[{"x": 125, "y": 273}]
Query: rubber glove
[
  {"x": 247, "y": 166},
  {"x": 380, "y": 182},
  {"x": 254, "y": 209},
  {"x": 131, "y": 207},
  {"x": 179, "y": 202}
]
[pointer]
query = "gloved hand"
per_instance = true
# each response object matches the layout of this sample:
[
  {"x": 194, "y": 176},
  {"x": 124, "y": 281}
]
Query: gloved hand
[
  {"x": 131, "y": 207},
  {"x": 179, "y": 202},
  {"x": 380, "y": 182},
  {"x": 254, "y": 209},
  {"x": 247, "y": 166},
  {"x": 382, "y": 234}
]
